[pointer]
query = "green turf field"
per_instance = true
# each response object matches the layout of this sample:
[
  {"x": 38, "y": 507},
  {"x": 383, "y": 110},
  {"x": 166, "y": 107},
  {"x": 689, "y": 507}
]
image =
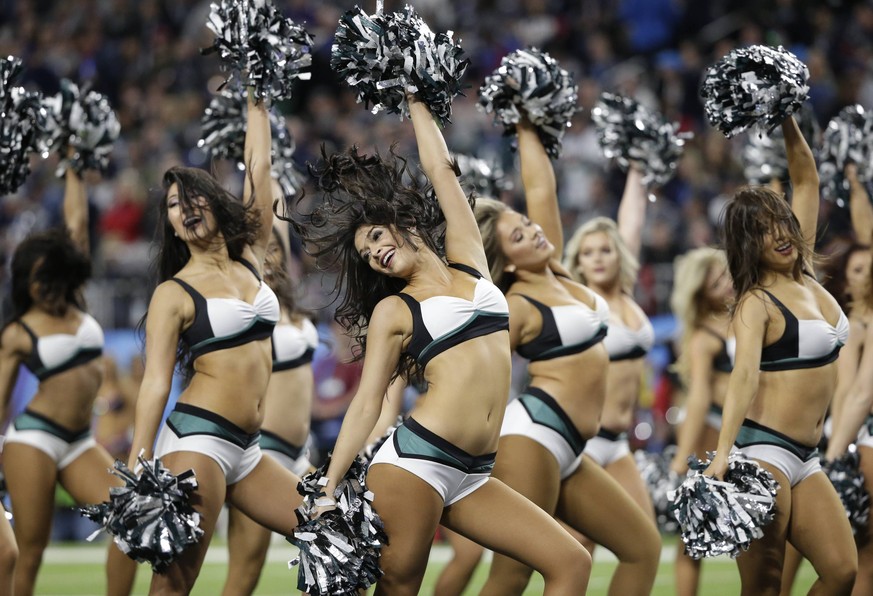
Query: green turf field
[{"x": 77, "y": 570}]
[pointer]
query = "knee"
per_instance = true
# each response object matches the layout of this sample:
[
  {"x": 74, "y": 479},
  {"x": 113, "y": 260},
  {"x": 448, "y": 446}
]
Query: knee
[
  {"x": 840, "y": 577},
  {"x": 8, "y": 557},
  {"x": 572, "y": 563}
]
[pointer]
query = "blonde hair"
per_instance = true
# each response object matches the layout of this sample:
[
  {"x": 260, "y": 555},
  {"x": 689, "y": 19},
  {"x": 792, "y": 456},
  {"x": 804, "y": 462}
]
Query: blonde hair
[
  {"x": 628, "y": 263},
  {"x": 689, "y": 280},
  {"x": 487, "y": 212}
]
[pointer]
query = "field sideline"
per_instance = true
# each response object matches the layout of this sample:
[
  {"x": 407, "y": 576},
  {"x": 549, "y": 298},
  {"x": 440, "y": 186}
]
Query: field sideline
[{"x": 76, "y": 570}]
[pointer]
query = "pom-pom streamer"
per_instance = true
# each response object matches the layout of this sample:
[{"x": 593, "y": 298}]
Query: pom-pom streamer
[
  {"x": 261, "y": 47},
  {"x": 655, "y": 471},
  {"x": 764, "y": 157},
  {"x": 848, "y": 139},
  {"x": 530, "y": 83},
  {"x": 723, "y": 517},
  {"x": 224, "y": 131},
  {"x": 339, "y": 551},
  {"x": 632, "y": 134},
  {"x": 150, "y": 517},
  {"x": 848, "y": 480},
  {"x": 755, "y": 86},
  {"x": 385, "y": 56},
  {"x": 21, "y": 118}
]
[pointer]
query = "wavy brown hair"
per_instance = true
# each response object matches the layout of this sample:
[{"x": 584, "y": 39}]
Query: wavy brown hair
[
  {"x": 356, "y": 190},
  {"x": 749, "y": 216}
]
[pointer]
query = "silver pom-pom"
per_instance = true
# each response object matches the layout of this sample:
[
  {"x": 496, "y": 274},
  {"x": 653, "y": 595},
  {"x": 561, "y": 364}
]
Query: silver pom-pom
[
  {"x": 655, "y": 471},
  {"x": 633, "y": 134},
  {"x": 339, "y": 551},
  {"x": 755, "y": 86},
  {"x": 150, "y": 517},
  {"x": 261, "y": 47},
  {"x": 530, "y": 83},
  {"x": 848, "y": 480},
  {"x": 81, "y": 121},
  {"x": 764, "y": 157},
  {"x": 21, "y": 120},
  {"x": 847, "y": 139},
  {"x": 485, "y": 178},
  {"x": 386, "y": 56},
  {"x": 723, "y": 517},
  {"x": 224, "y": 131}
]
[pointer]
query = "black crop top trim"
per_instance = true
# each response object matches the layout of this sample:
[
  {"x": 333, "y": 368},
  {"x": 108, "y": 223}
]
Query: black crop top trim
[{"x": 549, "y": 343}]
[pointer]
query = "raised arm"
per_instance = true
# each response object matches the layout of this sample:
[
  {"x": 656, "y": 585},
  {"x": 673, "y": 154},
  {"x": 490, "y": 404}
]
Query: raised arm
[
  {"x": 804, "y": 180},
  {"x": 857, "y": 403},
  {"x": 702, "y": 352},
  {"x": 750, "y": 325},
  {"x": 384, "y": 342},
  {"x": 259, "y": 178},
  {"x": 463, "y": 241},
  {"x": 162, "y": 338},
  {"x": 860, "y": 207},
  {"x": 632, "y": 211},
  {"x": 540, "y": 188},
  {"x": 76, "y": 210}
]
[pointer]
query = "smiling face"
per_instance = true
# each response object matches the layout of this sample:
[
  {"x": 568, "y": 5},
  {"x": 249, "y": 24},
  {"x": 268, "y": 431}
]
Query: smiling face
[
  {"x": 384, "y": 251},
  {"x": 598, "y": 261},
  {"x": 523, "y": 242},
  {"x": 190, "y": 221},
  {"x": 778, "y": 253}
]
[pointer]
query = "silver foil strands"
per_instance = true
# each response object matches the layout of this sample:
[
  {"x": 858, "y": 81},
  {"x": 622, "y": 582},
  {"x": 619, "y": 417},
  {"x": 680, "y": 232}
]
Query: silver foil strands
[
  {"x": 385, "y": 56},
  {"x": 848, "y": 480},
  {"x": 259, "y": 46},
  {"x": 755, "y": 86},
  {"x": 847, "y": 139},
  {"x": 21, "y": 121},
  {"x": 151, "y": 517},
  {"x": 339, "y": 551},
  {"x": 723, "y": 517},
  {"x": 661, "y": 481},
  {"x": 485, "y": 178},
  {"x": 223, "y": 136},
  {"x": 633, "y": 134},
  {"x": 530, "y": 83},
  {"x": 764, "y": 157},
  {"x": 84, "y": 122}
]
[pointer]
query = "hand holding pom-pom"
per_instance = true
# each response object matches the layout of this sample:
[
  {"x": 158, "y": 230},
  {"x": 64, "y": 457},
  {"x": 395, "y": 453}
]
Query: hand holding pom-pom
[
  {"x": 755, "y": 86},
  {"x": 530, "y": 83},
  {"x": 845, "y": 474},
  {"x": 847, "y": 141}
]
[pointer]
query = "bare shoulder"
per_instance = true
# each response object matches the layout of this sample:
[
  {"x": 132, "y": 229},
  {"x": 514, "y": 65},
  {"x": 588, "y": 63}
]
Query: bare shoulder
[
  {"x": 703, "y": 342},
  {"x": 753, "y": 306},
  {"x": 171, "y": 299},
  {"x": 14, "y": 340},
  {"x": 391, "y": 316}
]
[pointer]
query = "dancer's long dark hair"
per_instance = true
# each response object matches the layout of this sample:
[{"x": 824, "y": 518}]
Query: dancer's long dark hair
[
  {"x": 237, "y": 222},
  {"x": 360, "y": 189}
]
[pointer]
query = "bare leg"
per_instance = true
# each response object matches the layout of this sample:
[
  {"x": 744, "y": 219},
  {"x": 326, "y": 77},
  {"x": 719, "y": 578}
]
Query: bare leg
[
  {"x": 457, "y": 573},
  {"x": 31, "y": 476},
  {"x": 247, "y": 546},
  {"x": 8, "y": 555},
  {"x": 88, "y": 480},
  {"x": 268, "y": 495},
  {"x": 864, "y": 538},
  {"x": 793, "y": 559}
]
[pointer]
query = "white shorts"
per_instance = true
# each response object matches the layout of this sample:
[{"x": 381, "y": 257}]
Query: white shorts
[
  {"x": 452, "y": 472},
  {"x": 294, "y": 459},
  {"x": 797, "y": 461},
  {"x": 61, "y": 445},
  {"x": 189, "y": 428},
  {"x": 607, "y": 447},
  {"x": 536, "y": 415}
]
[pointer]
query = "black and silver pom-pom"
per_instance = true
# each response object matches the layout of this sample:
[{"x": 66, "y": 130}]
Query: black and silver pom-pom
[
  {"x": 261, "y": 47},
  {"x": 83, "y": 122},
  {"x": 848, "y": 480},
  {"x": 339, "y": 551},
  {"x": 764, "y": 157},
  {"x": 661, "y": 481},
  {"x": 633, "y": 134},
  {"x": 150, "y": 517},
  {"x": 755, "y": 86},
  {"x": 530, "y": 83},
  {"x": 386, "y": 56},
  {"x": 20, "y": 119},
  {"x": 485, "y": 178},
  {"x": 847, "y": 139},
  {"x": 723, "y": 517},
  {"x": 224, "y": 131}
]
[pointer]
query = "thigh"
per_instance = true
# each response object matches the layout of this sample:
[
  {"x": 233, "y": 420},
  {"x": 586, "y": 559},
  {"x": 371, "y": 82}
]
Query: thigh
[
  {"x": 529, "y": 469},
  {"x": 594, "y": 503},
  {"x": 268, "y": 495},
  {"x": 819, "y": 527},
  {"x": 30, "y": 477},
  {"x": 88, "y": 478},
  {"x": 627, "y": 474},
  {"x": 410, "y": 509}
]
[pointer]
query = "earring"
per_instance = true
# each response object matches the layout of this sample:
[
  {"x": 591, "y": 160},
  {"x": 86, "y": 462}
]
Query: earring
[
  {"x": 176, "y": 234},
  {"x": 509, "y": 269}
]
